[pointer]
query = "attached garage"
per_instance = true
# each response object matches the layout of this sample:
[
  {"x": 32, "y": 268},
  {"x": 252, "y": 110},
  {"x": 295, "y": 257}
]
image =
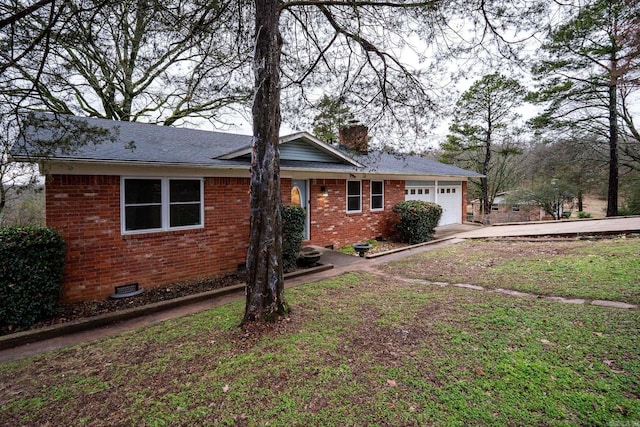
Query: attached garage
[{"x": 447, "y": 194}]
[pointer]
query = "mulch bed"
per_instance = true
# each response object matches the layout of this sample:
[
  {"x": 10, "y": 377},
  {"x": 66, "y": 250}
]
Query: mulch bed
[{"x": 80, "y": 310}]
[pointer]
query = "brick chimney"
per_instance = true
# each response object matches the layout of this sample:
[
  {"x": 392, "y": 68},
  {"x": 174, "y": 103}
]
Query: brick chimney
[{"x": 355, "y": 136}]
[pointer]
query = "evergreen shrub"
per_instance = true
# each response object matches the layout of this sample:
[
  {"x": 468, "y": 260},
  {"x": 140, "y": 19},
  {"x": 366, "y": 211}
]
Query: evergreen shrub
[
  {"x": 418, "y": 220},
  {"x": 31, "y": 274},
  {"x": 293, "y": 220}
]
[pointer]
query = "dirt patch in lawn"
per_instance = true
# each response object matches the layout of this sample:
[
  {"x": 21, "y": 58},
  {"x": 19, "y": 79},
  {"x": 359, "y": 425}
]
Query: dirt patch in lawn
[{"x": 471, "y": 260}]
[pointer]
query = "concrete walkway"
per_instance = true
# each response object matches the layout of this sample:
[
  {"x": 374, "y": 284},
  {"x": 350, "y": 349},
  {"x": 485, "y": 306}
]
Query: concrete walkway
[{"x": 64, "y": 335}]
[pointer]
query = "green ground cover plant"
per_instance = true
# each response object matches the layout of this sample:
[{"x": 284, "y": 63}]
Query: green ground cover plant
[{"x": 359, "y": 349}]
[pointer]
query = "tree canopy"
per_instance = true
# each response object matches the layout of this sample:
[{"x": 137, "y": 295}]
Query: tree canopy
[
  {"x": 135, "y": 60},
  {"x": 587, "y": 62},
  {"x": 483, "y": 133},
  {"x": 332, "y": 115}
]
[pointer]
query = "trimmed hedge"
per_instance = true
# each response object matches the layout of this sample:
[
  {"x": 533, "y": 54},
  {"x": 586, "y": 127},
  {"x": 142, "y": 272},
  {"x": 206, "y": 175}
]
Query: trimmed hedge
[
  {"x": 31, "y": 274},
  {"x": 418, "y": 220},
  {"x": 293, "y": 219}
]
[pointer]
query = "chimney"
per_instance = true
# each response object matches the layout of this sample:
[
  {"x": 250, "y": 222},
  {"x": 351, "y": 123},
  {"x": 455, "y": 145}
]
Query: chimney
[{"x": 355, "y": 137}]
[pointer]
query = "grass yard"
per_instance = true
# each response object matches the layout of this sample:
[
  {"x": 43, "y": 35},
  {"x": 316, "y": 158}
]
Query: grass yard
[
  {"x": 606, "y": 269},
  {"x": 360, "y": 349}
]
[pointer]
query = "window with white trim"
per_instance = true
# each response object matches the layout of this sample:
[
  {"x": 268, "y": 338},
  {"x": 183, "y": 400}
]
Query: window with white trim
[
  {"x": 354, "y": 196},
  {"x": 160, "y": 204},
  {"x": 377, "y": 195}
]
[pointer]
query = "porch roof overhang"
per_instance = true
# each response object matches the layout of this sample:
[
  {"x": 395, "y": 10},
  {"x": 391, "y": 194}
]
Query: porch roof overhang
[{"x": 73, "y": 166}]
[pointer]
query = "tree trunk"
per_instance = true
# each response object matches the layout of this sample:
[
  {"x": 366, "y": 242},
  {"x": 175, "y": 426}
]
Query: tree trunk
[
  {"x": 265, "y": 286},
  {"x": 580, "y": 201},
  {"x": 3, "y": 197},
  {"x": 612, "y": 193},
  {"x": 485, "y": 180}
]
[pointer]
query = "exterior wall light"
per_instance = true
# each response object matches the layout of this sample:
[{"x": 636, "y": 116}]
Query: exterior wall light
[{"x": 324, "y": 190}]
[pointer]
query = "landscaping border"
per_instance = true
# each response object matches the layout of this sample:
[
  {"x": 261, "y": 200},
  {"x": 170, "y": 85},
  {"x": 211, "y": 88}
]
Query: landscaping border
[{"x": 53, "y": 331}]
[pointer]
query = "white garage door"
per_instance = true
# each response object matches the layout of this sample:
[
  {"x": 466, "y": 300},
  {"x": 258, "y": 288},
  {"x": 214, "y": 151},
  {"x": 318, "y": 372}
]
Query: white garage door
[
  {"x": 449, "y": 197},
  {"x": 450, "y": 200},
  {"x": 425, "y": 194}
]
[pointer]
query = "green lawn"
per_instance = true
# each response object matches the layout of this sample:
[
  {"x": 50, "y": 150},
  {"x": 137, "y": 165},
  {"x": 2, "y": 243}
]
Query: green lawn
[
  {"x": 357, "y": 350},
  {"x": 601, "y": 269}
]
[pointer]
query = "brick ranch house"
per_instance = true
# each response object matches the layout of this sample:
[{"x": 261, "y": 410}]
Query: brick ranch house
[{"x": 160, "y": 205}]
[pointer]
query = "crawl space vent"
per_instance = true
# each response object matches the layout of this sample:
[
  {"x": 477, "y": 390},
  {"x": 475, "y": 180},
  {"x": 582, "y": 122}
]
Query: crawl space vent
[{"x": 125, "y": 291}]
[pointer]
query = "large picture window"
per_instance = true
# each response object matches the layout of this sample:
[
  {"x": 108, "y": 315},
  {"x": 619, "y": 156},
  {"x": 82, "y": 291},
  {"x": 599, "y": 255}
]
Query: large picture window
[
  {"x": 377, "y": 195},
  {"x": 354, "y": 196},
  {"x": 157, "y": 204}
]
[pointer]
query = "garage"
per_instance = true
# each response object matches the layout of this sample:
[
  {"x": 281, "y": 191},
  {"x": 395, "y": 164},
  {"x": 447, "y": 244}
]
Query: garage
[{"x": 447, "y": 194}]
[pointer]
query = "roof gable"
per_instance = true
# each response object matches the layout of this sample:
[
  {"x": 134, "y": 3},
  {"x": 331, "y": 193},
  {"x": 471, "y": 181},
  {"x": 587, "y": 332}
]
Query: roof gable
[{"x": 303, "y": 147}]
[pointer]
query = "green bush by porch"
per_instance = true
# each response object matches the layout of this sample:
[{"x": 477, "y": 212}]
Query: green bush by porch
[{"x": 418, "y": 220}]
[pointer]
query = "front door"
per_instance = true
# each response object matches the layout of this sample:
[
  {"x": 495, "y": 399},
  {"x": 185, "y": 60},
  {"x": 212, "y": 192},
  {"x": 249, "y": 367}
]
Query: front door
[{"x": 299, "y": 198}]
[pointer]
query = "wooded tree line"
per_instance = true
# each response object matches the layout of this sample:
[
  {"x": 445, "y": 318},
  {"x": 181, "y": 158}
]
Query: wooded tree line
[
  {"x": 587, "y": 77},
  {"x": 178, "y": 61}
]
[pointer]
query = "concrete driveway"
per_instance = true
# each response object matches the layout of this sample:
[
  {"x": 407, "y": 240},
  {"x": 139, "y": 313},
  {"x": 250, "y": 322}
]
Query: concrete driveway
[
  {"x": 458, "y": 232},
  {"x": 550, "y": 228}
]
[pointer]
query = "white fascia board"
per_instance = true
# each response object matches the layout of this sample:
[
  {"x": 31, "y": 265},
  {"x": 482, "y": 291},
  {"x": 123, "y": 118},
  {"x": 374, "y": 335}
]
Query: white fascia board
[
  {"x": 84, "y": 167},
  {"x": 302, "y": 173},
  {"x": 234, "y": 154},
  {"x": 101, "y": 167}
]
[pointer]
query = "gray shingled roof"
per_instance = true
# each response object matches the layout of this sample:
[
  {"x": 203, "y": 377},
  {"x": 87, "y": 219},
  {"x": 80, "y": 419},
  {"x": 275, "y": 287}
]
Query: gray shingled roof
[
  {"x": 395, "y": 164},
  {"x": 145, "y": 143},
  {"x": 138, "y": 142}
]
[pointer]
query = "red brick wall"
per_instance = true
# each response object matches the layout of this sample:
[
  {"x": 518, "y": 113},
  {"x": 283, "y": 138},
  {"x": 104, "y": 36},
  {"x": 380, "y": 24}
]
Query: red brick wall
[
  {"x": 505, "y": 213},
  {"x": 86, "y": 209},
  {"x": 332, "y": 225}
]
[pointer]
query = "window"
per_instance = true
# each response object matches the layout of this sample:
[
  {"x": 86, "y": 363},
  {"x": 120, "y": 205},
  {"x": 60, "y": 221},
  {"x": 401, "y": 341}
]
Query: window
[
  {"x": 296, "y": 199},
  {"x": 142, "y": 204},
  {"x": 419, "y": 190},
  {"x": 184, "y": 202},
  {"x": 157, "y": 204},
  {"x": 354, "y": 196},
  {"x": 495, "y": 207},
  {"x": 515, "y": 208},
  {"x": 377, "y": 195}
]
